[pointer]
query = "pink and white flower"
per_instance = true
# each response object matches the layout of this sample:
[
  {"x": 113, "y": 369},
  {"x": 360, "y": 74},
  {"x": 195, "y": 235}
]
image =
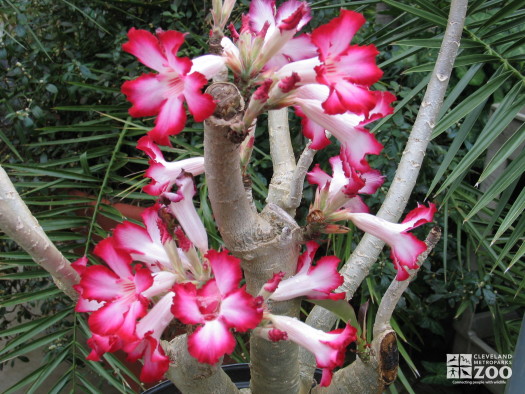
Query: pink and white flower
[
  {"x": 164, "y": 173},
  {"x": 178, "y": 80},
  {"x": 181, "y": 206},
  {"x": 314, "y": 282},
  {"x": 147, "y": 346},
  {"x": 217, "y": 307},
  {"x": 155, "y": 246},
  {"x": 327, "y": 347},
  {"x": 340, "y": 191},
  {"x": 348, "y": 70},
  {"x": 119, "y": 287},
  {"x": 348, "y": 128},
  {"x": 266, "y": 40},
  {"x": 405, "y": 247}
]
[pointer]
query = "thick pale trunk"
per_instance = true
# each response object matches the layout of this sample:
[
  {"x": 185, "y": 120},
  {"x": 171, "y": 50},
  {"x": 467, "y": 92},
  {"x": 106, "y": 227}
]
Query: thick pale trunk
[{"x": 21, "y": 226}]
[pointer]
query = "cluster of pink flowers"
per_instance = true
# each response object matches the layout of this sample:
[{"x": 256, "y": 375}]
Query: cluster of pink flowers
[
  {"x": 154, "y": 274},
  {"x": 164, "y": 270}
]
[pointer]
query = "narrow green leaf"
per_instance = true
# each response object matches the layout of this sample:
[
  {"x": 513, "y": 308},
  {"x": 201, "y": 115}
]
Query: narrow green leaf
[
  {"x": 468, "y": 105},
  {"x": 506, "y": 150},
  {"x": 405, "y": 382},
  {"x": 45, "y": 321},
  {"x": 97, "y": 137},
  {"x": 28, "y": 347},
  {"x": 519, "y": 254},
  {"x": 503, "y": 12},
  {"x": 496, "y": 216},
  {"x": 433, "y": 18},
  {"x": 95, "y": 87},
  {"x": 24, "y": 275},
  {"x": 459, "y": 87},
  {"x": 33, "y": 170},
  {"x": 48, "y": 370},
  {"x": 512, "y": 172},
  {"x": 119, "y": 366},
  {"x": 406, "y": 357},
  {"x": 86, "y": 16},
  {"x": 32, "y": 332},
  {"x": 59, "y": 385},
  {"x": 515, "y": 211},
  {"x": 33, "y": 296},
  {"x": 99, "y": 369},
  {"x": 8, "y": 143},
  {"x": 462, "y": 307},
  {"x": 497, "y": 122},
  {"x": 465, "y": 60},
  {"x": 341, "y": 308},
  {"x": 95, "y": 108},
  {"x": 435, "y": 43},
  {"x": 514, "y": 238},
  {"x": 460, "y": 137},
  {"x": 24, "y": 381},
  {"x": 88, "y": 386}
]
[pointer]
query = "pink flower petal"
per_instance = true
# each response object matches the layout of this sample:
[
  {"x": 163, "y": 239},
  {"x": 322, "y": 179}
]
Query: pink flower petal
[
  {"x": 99, "y": 283},
  {"x": 185, "y": 306},
  {"x": 118, "y": 260},
  {"x": 101, "y": 344},
  {"x": 147, "y": 93},
  {"x": 156, "y": 363},
  {"x": 200, "y": 105},
  {"x": 333, "y": 38},
  {"x": 170, "y": 121},
  {"x": 240, "y": 310},
  {"x": 208, "y": 65},
  {"x": 419, "y": 216},
  {"x": 109, "y": 318},
  {"x": 226, "y": 269},
  {"x": 170, "y": 42},
  {"x": 146, "y": 48},
  {"x": 210, "y": 342},
  {"x": 184, "y": 210},
  {"x": 318, "y": 177}
]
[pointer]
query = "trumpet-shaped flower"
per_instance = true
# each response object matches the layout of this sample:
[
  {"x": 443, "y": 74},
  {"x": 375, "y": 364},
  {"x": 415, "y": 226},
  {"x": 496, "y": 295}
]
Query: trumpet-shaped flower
[
  {"x": 314, "y": 282},
  {"x": 119, "y": 287},
  {"x": 405, "y": 247},
  {"x": 327, "y": 347},
  {"x": 217, "y": 307},
  {"x": 266, "y": 40},
  {"x": 155, "y": 246},
  {"x": 347, "y": 69},
  {"x": 164, "y": 173},
  {"x": 347, "y": 128},
  {"x": 340, "y": 191},
  {"x": 181, "y": 206},
  {"x": 147, "y": 346},
  {"x": 178, "y": 80}
]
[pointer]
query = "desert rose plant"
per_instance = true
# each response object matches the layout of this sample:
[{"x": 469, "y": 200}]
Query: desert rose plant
[{"x": 163, "y": 272}]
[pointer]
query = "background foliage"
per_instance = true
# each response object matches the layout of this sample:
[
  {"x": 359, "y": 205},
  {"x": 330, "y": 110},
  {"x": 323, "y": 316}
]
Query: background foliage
[{"x": 66, "y": 128}]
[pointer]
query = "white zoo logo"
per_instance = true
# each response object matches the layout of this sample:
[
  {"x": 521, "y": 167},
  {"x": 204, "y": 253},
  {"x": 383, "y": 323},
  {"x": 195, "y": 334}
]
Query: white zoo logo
[{"x": 459, "y": 366}]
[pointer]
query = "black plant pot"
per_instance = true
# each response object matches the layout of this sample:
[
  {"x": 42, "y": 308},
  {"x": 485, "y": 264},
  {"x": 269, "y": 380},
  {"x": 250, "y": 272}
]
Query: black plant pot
[{"x": 239, "y": 374}]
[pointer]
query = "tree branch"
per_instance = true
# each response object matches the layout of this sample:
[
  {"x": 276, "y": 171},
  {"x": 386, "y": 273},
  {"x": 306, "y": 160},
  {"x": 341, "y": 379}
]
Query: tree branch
[
  {"x": 397, "y": 288},
  {"x": 297, "y": 182},
  {"x": 283, "y": 158},
  {"x": 21, "y": 226},
  {"x": 232, "y": 210},
  {"x": 193, "y": 377},
  {"x": 367, "y": 252}
]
